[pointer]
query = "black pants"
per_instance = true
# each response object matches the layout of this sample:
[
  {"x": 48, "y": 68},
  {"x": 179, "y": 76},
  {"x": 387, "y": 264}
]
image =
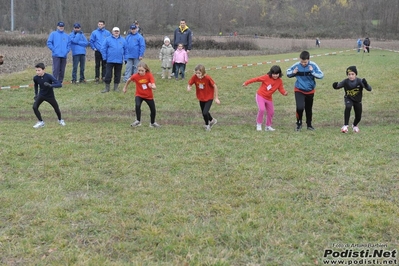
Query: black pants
[
  {"x": 51, "y": 101},
  {"x": 99, "y": 62},
  {"x": 304, "y": 102},
  {"x": 205, "y": 107},
  {"x": 117, "y": 68},
  {"x": 150, "y": 103},
  {"x": 357, "y": 107}
]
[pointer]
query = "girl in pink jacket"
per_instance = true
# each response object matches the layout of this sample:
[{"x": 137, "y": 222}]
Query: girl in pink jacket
[{"x": 180, "y": 59}]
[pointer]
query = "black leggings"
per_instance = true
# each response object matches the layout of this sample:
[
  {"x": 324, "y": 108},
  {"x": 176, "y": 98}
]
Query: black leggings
[
  {"x": 357, "y": 107},
  {"x": 304, "y": 102},
  {"x": 205, "y": 107},
  {"x": 51, "y": 101},
  {"x": 150, "y": 104}
]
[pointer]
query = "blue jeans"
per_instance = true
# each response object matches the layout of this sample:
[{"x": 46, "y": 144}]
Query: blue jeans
[
  {"x": 76, "y": 60},
  {"x": 180, "y": 68},
  {"x": 131, "y": 68}
]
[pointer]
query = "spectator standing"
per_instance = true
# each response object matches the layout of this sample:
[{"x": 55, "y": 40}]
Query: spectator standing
[
  {"x": 78, "y": 46},
  {"x": 139, "y": 29},
  {"x": 58, "y": 43},
  {"x": 359, "y": 44},
  {"x": 180, "y": 59},
  {"x": 317, "y": 42},
  {"x": 135, "y": 51},
  {"x": 183, "y": 35},
  {"x": 113, "y": 51},
  {"x": 97, "y": 37},
  {"x": 166, "y": 56},
  {"x": 366, "y": 44},
  {"x": 305, "y": 72}
]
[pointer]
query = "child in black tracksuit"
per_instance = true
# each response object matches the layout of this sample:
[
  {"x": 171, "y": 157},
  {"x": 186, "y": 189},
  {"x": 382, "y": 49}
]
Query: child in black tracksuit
[{"x": 353, "y": 87}]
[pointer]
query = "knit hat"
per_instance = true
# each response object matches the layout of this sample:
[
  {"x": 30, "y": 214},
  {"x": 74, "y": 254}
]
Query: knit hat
[
  {"x": 166, "y": 39},
  {"x": 351, "y": 69}
]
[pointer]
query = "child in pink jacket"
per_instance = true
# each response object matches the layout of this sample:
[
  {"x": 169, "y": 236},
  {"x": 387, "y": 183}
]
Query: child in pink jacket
[{"x": 180, "y": 59}]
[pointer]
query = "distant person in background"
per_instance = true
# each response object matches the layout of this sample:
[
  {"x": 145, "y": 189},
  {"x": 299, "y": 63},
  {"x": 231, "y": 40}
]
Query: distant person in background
[
  {"x": 366, "y": 44},
  {"x": 317, "y": 42},
  {"x": 114, "y": 52},
  {"x": 270, "y": 83},
  {"x": 97, "y": 37},
  {"x": 183, "y": 35},
  {"x": 78, "y": 46},
  {"x": 135, "y": 44},
  {"x": 58, "y": 43},
  {"x": 46, "y": 83},
  {"x": 139, "y": 29},
  {"x": 166, "y": 57},
  {"x": 305, "y": 72},
  {"x": 206, "y": 91},
  {"x": 353, "y": 87},
  {"x": 1, "y": 59},
  {"x": 180, "y": 59},
  {"x": 359, "y": 44}
]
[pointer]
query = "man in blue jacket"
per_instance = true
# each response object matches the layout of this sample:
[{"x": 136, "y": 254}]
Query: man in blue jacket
[
  {"x": 305, "y": 72},
  {"x": 114, "y": 51},
  {"x": 135, "y": 51},
  {"x": 58, "y": 43},
  {"x": 97, "y": 37},
  {"x": 78, "y": 46}
]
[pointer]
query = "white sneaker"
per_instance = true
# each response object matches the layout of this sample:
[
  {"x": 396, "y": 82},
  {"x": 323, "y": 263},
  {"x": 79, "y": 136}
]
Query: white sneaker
[
  {"x": 344, "y": 129},
  {"x": 213, "y": 122},
  {"x": 136, "y": 123},
  {"x": 39, "y": 124},
  {"x": 61, "y": 122},
  {"x": 269, "y": 128},
  {"x": 258, "y": 127},
  {"x": 155, "y": 124},
  {"x": 208, "y": 127},
  {"x": 355, "y": 129}
]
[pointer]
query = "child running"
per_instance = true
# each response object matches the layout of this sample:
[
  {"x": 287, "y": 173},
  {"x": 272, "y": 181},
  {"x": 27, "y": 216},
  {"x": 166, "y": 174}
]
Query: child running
[
  {"x": 264, "y": 96},
  {"x": 206, "y": 91},
  {"x": 353, "y": 87},
  {"x": 46, "y": 82},
  {"x": 145, "y": 83}
]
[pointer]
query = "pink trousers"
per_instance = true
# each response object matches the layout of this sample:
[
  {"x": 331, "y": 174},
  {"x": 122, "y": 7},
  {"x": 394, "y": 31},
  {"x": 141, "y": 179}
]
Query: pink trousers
[{"x": 264, "y": 106}]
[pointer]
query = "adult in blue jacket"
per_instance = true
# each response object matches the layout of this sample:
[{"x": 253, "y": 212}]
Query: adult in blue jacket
[
  {"x": 305, "y": 72},
  {"x": 97, "y": 37},
  {"x": 135, "y": 51},
  {"x": 58, "y": 43},
  {"x": 114, "y": 52},
  {"x": 78, "y": 46}
]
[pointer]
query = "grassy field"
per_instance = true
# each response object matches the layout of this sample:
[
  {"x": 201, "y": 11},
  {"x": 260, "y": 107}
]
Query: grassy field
[{"x": 98, "y": 192}]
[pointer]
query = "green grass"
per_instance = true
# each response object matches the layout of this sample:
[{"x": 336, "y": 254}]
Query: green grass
[{"x": 98, "y": 192}]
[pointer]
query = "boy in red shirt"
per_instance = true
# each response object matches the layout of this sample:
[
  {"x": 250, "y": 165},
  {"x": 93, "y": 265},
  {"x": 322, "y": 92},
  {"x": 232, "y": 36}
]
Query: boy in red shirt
[
  {"x": 145, "y": 83},
  {"x": 206, "y": 91},
  {"x": 269, "y": 84}
]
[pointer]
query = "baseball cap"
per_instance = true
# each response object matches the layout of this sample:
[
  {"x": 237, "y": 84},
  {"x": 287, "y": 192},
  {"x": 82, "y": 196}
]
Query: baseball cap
[
  {"x": 76, "y": 25},
  {"x": 132, "y": 27},
  {"x": 60, "y": 24},
  {"x": 115, "y": 29}
]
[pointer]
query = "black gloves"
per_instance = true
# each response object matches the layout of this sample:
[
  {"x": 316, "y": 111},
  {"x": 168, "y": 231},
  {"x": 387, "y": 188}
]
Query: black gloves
[
  {"x": 35, "y": 97},
  {"x": 334, "y": 85},
  {"x": 47, "y": 84},
  {"x": 364, "y": 81},
  {"x": 125, "y": 62}
]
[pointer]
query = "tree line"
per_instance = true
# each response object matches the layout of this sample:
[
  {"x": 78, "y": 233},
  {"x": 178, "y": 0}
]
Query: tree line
[{"x": 282, "y": 18}]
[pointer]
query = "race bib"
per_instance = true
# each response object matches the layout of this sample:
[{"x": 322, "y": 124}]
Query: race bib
[{"x": 144, "y": 86}]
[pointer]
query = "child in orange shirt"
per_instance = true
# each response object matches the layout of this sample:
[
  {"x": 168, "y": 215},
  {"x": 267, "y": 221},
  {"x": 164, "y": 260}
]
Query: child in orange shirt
[
  {"x": 206, "y": 91},
  {"x": 145, "y": 83},
  {"x": 269, "y": 84}
]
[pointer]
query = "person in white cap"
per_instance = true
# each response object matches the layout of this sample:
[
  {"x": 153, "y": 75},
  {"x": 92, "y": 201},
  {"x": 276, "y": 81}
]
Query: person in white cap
[
  {"x": 114, "y": 51},
  {"x": 166, "y": 56}
]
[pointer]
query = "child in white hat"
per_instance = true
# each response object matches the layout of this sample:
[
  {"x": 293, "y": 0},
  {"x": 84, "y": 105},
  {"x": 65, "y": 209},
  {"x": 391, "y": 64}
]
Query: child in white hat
[{"x": 165, "y": 56}]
